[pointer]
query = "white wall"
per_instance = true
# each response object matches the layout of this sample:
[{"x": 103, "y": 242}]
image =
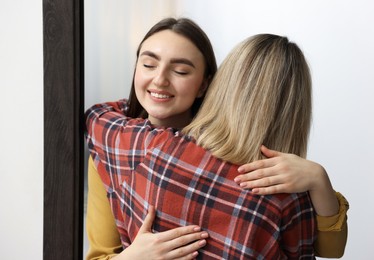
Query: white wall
[
  {"x": 337, "y": 37},
  {"x": 21, "y": 131},
  {"x": 113, "y": 30}
]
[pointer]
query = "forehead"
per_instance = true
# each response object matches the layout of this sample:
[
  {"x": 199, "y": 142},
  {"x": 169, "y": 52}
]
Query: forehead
[{"x": 170, "y": 44}]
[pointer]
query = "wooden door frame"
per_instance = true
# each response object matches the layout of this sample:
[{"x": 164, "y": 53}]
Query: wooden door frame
[{"x": 63, "y": 48}]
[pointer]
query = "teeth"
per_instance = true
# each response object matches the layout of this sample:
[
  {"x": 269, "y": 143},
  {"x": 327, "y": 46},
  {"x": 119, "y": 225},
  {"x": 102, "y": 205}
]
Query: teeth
[{"x": 157, "y": 95}]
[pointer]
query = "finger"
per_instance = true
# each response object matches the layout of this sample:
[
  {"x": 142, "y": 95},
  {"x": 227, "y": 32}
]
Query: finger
[
  {"x": 148, "y": 221},
  {"x": 260, "y": 164},
  {"x": 275, "y": 189},
  {"x": 255, "y": 175},
  {"x": 258, "y": 174},
  {"x": 268, "y": 152},
  {"x": 262, "y": 183},
  {"x": 187, "y": 239},
  {"x": 187, "y": 251},
  {"x": 179, "y": 232},
  {"x": 188, "y": 257}
]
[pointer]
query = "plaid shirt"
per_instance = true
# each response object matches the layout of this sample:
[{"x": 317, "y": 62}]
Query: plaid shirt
[{"x": 141, "y": 166}]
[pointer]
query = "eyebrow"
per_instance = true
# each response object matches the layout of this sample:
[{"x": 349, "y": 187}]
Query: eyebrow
[{"x": 174, "y": 60}]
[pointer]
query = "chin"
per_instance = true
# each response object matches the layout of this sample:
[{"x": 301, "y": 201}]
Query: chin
[{"x": 159, "y": 116}]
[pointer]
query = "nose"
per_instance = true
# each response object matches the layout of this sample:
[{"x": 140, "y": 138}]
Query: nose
[{"x": 161, "y": 78}]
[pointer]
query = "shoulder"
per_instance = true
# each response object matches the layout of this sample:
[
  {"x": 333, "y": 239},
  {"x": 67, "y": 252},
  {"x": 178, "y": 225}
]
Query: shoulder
[{"x": 290, "y": 202}]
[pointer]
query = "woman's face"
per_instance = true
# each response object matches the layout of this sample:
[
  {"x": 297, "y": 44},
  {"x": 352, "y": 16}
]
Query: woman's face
[{"x": 169, "y": 76}]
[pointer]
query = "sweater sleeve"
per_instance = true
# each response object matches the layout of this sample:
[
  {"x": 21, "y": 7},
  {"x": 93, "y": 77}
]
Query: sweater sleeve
[
  {"x": 103, "y": 237},
  {"x": 332, "y": 232}
]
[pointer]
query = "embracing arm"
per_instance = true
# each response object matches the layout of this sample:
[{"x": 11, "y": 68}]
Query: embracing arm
[
  {"x": 179, "y": 243},
  {"x": 332, "y": 232},
  {"x": 104, "y": 240},
  {"x": 103, "y": 237},
  {"x": 288, "y": 173},
  {"x": 297, "y": 230}
]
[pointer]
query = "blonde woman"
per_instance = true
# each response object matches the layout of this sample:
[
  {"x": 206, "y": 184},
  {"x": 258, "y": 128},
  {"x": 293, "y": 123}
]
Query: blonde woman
[{"x": 283, "y": 80}]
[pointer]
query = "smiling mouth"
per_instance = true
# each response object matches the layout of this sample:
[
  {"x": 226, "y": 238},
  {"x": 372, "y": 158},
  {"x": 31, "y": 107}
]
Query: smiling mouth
[{"x": 160, "y": 96}]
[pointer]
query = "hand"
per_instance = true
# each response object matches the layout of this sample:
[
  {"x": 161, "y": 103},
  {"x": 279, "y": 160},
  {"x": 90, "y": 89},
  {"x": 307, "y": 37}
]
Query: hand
[
  {"x": 178, "y": 243},
  {"x": 280, "y": 173}
]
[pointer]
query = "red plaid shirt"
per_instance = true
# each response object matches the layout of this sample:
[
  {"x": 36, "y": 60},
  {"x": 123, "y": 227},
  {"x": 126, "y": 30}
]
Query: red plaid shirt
[{"x": 141, "y": 166}]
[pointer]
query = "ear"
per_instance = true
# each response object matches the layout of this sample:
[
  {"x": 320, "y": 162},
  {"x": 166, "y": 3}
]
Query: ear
[{"x": 203, "y": 88}]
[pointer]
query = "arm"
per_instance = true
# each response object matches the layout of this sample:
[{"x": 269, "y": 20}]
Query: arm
[
  {"x": 104, "y": 123},
  {"x": 332, "y": 232},
  {"x": 297, "y": 230},
  {"x": 178, "y": 243},
  {"x": 103, "y": 237},
  {"x": 287, "y": 173}
]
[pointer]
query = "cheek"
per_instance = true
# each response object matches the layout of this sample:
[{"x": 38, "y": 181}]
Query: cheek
[
  {"x": 193, "y": 86},
  {"x": 138, "y": 80}
]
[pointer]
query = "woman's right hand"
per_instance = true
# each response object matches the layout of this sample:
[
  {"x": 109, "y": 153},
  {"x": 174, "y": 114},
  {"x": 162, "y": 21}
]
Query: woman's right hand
[{"x": 178, "y": 243}]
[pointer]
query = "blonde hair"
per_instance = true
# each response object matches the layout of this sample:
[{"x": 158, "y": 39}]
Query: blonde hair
[{"x": 261, "y": 94}]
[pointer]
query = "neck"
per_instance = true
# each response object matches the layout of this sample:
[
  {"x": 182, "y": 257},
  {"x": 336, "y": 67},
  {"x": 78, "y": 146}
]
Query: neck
[{"x": 176, "y": 122}]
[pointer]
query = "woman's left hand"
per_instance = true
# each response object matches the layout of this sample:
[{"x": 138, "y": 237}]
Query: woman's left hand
[{"x": 280, "y": 173}]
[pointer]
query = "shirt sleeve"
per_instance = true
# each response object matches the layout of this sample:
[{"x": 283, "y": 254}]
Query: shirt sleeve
[
  {"x": 298, "y": 229},
  {"x": 332, "y": 232},
  {"x": 103, "y": 237},
  {"x": 104, "y": 123}
]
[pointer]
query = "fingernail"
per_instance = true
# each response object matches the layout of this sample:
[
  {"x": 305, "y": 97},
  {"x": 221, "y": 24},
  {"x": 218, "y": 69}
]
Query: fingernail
[
  {"x": 202, "y": 242},
  {"x": 243, "y": 184},
  {"x": 204, "y": 235},
  {"x": 194, "y": 254},
  {"x": 237, "y": 179},
  {"x": 196, "y": 228}
]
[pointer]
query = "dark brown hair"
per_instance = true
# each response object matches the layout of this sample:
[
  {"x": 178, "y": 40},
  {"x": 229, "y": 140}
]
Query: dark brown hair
[{"x": 197, "y": 36}]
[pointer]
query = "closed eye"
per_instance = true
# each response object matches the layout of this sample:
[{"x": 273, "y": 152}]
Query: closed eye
[
  {"x": 148, "y": 66},
  {"x": 181, "y": 72}
]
